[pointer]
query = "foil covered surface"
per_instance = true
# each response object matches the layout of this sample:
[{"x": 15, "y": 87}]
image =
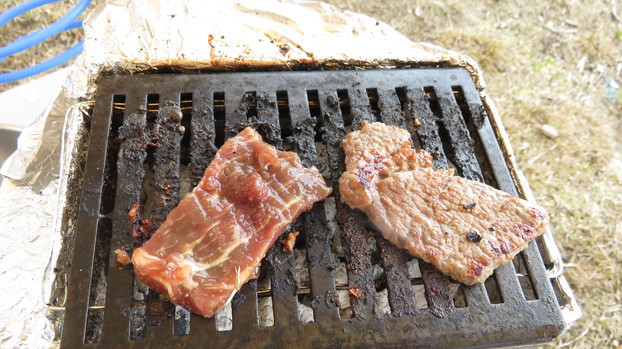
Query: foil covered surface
[
  {"x": 26, "y": 238},
  {"x": 135, "y": 36}
]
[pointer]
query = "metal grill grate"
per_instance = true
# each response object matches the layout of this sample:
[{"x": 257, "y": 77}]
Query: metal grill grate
[{"x": 394, "y": 299}]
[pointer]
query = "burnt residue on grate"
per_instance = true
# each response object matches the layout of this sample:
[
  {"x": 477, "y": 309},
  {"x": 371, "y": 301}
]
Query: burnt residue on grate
[
  {"x": 167, "y": 139},
  {"x": 342, "y": 285},
  {"x": 203, "y": 135}
]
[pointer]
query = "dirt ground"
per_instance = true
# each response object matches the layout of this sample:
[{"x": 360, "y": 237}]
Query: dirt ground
[{"x": 554, "y": 70}]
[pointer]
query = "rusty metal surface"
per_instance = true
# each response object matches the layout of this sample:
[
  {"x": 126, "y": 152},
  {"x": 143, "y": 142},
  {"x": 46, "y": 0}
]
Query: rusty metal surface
[{"x": 441, "y": 118}]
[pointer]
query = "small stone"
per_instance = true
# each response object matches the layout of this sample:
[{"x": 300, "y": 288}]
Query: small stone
[{"x": 549, "y": 131}]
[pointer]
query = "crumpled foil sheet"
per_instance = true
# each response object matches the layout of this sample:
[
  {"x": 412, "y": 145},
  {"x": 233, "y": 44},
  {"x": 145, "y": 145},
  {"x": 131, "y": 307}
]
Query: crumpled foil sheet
[
  {"x": 26, "y": 240},
  {"x": 133, "y": 36},
  {"x": 130, "y": 36}
]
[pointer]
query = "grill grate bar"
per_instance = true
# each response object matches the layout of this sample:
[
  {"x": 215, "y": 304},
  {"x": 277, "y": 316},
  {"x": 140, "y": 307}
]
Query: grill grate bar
[
  {"x": 437, "y": 286},
  {"x": 87, "y": 227},
  {"x": 540, "y": 285},
  {"x": 438, "y": 291},
  {"x": 97, "y": 298},
  {"x": 320, "y": 263},
  {"x": 201, "y": 329},
  {"x": 504, "y": 179},
  {"x": 478, "y": 295},
  {"x": 166, "y": 186},
  {"x": 202, "y": 151},
  {"x": 283, "y": 281},
  {"x": 352, "y": 230},
  {"x": 488, "y": 138},
  {"x": 237, "y": 104},
  {"x": 281, "y": 263},
  {"x": 360, "y": 107},
  {"x": 332, "y": 135},
  {"x": 317, "y": 234},
  {"x": 130, "y": 162},
  {"x": 506, "y": 275},
  {"x": 302, "y": 142},
  {"x": 302, "y": 127},
  {"x": 202, "y": 135},
  {"x": 244, "y": 306},
  {"x": 244, "y": 303},
  {"x": 394, "y": 260},
  {"x": 168, "y": 135},
  {"x": 401, "y": 294},
  {"x": 462, "y": 154},
  {"x": 358, "y": 259},
  {"x": 268, "y": 118},
  {"x": 390, "y": 108},
  {"x": 140, "y": 292},
  {"x": 425, "y": 125},
  {"x": 354, "y": 233}
]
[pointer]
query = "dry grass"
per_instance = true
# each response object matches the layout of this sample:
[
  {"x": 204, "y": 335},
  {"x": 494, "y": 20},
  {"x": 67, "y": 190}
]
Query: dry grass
[{"x": 545, "y": 62}]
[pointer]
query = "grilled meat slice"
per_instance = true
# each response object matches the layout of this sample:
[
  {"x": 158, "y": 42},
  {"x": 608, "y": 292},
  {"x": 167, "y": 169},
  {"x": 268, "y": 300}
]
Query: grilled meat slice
[
  {"x": 464, "y": 228},
  {"x": 213, "y": 241}
]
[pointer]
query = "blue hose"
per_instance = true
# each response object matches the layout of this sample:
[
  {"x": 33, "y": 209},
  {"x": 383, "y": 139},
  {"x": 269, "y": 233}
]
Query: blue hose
[
  {"x": 13, "y": 12},
  {"x": 43, "y": 66},
  {"x": 67, "y": 22},
  {"x": 73, "y": 25},
  {"x": 45, "y": 33}
]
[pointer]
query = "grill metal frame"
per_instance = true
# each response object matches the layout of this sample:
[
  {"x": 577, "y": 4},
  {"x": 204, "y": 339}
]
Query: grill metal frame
[{"x": 480, "y": 324}]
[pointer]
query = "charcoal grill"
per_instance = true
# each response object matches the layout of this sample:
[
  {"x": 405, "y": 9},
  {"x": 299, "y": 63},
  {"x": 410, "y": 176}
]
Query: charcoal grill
[{"x": 307, "y": 112}]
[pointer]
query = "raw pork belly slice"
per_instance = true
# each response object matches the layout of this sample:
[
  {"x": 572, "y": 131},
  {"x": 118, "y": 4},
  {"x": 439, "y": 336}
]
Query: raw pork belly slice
[
  {"x": 211, "y": 244},
  {"x": 465, "y": 228}
]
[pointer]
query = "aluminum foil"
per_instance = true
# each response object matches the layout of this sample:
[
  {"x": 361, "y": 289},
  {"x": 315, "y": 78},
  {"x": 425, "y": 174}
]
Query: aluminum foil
[
  {"x": 134, "y": 36},
  {"x": 26, "y": 238}
]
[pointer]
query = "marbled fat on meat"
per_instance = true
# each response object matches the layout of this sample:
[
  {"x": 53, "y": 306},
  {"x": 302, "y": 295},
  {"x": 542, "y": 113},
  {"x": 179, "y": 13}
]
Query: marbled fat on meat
[
  {"x": 465, "y": 228},
  {"x": 213, "y": 241}
]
